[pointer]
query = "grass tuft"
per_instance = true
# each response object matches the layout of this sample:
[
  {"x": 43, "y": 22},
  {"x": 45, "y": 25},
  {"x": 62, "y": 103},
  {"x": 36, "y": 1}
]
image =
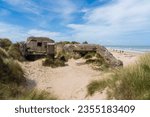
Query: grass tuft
[{"x": 95, "y": 86}]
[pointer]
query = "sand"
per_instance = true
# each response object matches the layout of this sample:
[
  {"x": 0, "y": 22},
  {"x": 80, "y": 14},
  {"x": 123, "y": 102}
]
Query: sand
[
  {"x": 70, "y": 82},
  {"x": 126, "y": 57}
]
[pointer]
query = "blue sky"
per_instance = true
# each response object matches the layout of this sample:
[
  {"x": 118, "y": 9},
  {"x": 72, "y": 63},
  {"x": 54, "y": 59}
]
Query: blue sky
[{"x": 108, "y": 22}]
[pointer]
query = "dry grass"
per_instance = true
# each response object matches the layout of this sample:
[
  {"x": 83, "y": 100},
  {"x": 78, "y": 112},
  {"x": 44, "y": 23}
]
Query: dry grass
[
  {"x": 132, "y": 82},
  {"x": 13, "y": 81}
]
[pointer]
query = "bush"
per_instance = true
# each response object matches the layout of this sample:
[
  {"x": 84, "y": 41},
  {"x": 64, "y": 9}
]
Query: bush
[
  {"x": 132, "y": 82},
  {"x": 5, "y": 43}
]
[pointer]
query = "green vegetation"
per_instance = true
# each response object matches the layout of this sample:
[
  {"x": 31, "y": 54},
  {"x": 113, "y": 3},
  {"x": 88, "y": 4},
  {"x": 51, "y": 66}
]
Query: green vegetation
[
  {"x": 15, "y": 52},
  {"x": 89, "y": 55},
  {"x": 37, "y": 95},
  {"x": 85, "y": 42},
  {"x": 58, "y": 61},
  {"x": 63, "y": 56},
  {"x": 97, "y": 61},
  {"x": 96, "y": 86},
  {"x": 53, "y": 62},
  {"x": 68, "y": 42},
  {"x": 13, "y": 81},
  {"x": 5, "y": 43},
  {"x": 132, "y": 82}
]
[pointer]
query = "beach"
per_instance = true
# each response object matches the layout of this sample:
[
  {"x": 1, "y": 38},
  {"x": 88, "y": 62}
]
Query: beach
[
  {"x": 70, "y": 82},
  {"x": 127, "y": 57}
]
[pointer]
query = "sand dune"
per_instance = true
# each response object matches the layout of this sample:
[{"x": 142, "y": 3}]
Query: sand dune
[{"x": 69, "y": 82}]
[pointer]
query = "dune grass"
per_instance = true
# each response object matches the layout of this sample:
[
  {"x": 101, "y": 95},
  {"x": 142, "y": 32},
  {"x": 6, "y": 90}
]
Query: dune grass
[
  {"x": 53, "y": 62},
  {"x": 13, "y": 81},
  {"x": 96, "y": 86},
  {"x": 132, "y": 82},
  {"x": 98, "y": 62},
  {"x": 15, "y": 52},
  {"x": 5, "y": 43}
]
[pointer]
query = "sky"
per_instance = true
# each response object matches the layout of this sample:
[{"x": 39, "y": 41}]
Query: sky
[{"x": 107, "y": 22}]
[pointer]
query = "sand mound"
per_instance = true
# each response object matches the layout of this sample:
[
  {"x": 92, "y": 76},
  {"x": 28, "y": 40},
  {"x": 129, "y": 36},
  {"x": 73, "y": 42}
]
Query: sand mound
[{"x": 67, "y": 82}]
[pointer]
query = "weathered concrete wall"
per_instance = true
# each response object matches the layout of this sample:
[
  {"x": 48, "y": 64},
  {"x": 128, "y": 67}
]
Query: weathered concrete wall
[{"x": 101, "y": 50}]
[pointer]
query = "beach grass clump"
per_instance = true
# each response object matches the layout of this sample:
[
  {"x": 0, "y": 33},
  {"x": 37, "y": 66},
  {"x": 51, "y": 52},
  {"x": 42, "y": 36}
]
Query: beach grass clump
[
  {"x": 95, "y": 86},
  {"x": 98, "y": 62},
  {"x": 131, "y": 82},
  {"x": 10, "y": 70},
  {"x": 37, "y": 95},
  {"x": 5, "y": 43},
  {"x": 64, "y": 56},
  {"x": 12, "y": 91},
  {"x": 89, "y": 55},
  {"x": 53, "y": 62},
  {"x": 13, "y": 82},
  {"x": 76, "y": 56},
  {"x": 15, "y": 53},
  {"x": 3, "y": 53}
]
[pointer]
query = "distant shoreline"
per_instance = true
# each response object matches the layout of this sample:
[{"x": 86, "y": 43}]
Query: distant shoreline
[{"x": 132, "y": 49}]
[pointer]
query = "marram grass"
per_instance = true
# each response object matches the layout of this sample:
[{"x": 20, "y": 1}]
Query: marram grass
[{"x": 129, "y": 83}]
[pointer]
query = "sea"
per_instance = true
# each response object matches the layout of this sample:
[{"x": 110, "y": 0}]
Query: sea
[{"x": 141, "y": 49}]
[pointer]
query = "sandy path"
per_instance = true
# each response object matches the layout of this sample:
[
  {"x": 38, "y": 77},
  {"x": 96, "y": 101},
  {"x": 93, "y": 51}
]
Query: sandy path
[{"x": 67, "y": 82}]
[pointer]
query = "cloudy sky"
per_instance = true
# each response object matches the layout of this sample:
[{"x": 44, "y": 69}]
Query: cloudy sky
[{"x": 108, "y": 22}]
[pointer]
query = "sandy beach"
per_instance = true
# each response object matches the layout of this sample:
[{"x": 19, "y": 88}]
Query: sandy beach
[{"x": 70, "y": 82}]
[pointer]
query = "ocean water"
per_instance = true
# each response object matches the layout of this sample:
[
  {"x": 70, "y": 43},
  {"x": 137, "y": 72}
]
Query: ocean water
[{"x": 130, "y": 48}]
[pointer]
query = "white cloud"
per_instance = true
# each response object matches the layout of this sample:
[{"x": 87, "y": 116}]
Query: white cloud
[
  {"x": 43, "y": 33},
  {"x": 114, "y": 20},
  {"x": 15, "y": 33},
  {"x": 18, "y": 33},
  {"x": 63, "y": 9}
]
